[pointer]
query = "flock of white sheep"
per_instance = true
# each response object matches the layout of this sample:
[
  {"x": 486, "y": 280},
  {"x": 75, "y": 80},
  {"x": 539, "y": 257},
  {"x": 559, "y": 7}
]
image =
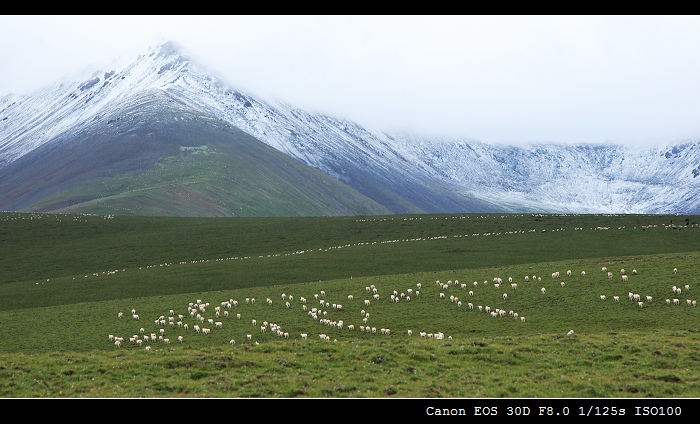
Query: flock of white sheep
[{"x": 201, "y": 318}]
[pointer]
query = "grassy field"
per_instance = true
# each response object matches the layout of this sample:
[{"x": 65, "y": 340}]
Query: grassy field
[{"x": 65, "y": 278}]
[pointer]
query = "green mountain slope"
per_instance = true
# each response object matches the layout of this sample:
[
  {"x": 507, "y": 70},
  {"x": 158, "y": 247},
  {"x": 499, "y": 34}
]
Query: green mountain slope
[{"x": 158, "y": 157}]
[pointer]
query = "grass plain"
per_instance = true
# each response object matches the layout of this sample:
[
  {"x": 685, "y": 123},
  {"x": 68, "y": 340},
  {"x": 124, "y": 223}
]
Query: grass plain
[{"x": 65, "y": 277}]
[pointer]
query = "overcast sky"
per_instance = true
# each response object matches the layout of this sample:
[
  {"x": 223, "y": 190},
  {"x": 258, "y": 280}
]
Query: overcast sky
[{"x": 497, "y": 79}]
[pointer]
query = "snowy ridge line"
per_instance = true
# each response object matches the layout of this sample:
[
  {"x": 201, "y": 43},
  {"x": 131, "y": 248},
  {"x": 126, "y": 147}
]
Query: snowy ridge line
[{"x": 538, "y": 177}]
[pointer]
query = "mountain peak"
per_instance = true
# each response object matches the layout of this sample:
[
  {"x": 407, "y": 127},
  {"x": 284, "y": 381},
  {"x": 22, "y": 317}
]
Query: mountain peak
[
  {"x": 166, "y": 49},
  {"x": 144, "y": 87}
]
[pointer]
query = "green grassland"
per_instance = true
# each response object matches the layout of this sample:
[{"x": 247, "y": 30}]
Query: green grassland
[{"x": 65, "y": 277}]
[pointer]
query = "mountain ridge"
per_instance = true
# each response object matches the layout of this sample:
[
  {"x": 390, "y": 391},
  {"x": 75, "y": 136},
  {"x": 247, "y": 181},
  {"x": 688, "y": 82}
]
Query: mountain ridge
[{"x": 402, "y": 173}]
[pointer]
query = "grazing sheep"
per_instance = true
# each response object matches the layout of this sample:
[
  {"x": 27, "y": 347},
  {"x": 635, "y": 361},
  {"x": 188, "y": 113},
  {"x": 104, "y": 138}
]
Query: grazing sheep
[
  {"x": 232, "y": 342},
  {"x": 543, "y": 290}
]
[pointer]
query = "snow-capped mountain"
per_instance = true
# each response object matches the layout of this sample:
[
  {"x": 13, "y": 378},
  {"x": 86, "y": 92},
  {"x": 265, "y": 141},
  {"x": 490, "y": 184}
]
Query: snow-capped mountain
[{"x": 403, "y": 174}]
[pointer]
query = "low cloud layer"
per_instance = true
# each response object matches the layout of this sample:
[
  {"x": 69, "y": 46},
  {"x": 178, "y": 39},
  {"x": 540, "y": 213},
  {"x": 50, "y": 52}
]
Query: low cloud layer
[{"x": 497, "y": 79}]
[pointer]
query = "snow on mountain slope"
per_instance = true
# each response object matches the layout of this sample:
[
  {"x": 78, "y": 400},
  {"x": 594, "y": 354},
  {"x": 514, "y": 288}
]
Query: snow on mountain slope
[
  {"x": 427, "y": 175},
  {"x": 576, "y": 179}
]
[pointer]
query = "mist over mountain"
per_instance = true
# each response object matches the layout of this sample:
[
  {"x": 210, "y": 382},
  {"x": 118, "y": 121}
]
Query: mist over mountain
[{"x": 154, "y": 133}]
